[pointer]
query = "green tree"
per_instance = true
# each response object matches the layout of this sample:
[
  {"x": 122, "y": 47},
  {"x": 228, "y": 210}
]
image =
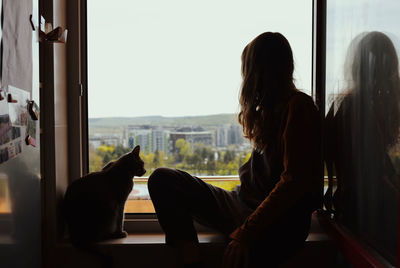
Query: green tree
[
  {"x": 183, "y": 147},
  {"x": 120, "y": 150},
  {"x": 106, "y": 152},
  {"x": 229, "y": 156},
  {"x": 159, "y": 159},
  {"x": 148, "y": 160},
  {"x": 201, "y": 160},
  {"x": 95, "y": 161}
]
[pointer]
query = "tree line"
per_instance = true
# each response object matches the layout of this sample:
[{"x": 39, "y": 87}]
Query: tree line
[{"x": 197, "y": 159}]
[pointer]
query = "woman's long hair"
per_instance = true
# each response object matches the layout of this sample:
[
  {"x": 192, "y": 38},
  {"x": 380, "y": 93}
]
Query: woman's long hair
[
  {"x": 267, "y": 71},
  {"x": 375, "y": 83}
]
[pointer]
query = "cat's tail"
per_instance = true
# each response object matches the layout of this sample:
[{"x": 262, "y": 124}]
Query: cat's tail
[{"x": 93, "y": 250}]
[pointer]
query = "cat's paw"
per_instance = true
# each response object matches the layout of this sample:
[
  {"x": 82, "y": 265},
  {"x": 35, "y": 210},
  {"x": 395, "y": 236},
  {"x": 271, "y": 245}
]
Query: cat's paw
[
  {"x": 121, "y": 234},
  {"x": 124, "y": 234}
]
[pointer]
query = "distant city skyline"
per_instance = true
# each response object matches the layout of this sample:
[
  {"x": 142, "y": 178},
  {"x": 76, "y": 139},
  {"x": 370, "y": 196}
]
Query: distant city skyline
[
  {"x": 181, "y": 58},
  {"x": 163, "y": 138}
]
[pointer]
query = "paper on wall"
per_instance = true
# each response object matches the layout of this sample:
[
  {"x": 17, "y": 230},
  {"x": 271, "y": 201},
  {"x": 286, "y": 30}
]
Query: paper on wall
[
  {"x": 11, "y": 144},
  {"x": 10, "y": 150},
  {"x": 13, "y": 121},
  {"x": 5, "y": 124},
  {"x": 17, "y": 44},
  {"x": 18, "y": 110}
]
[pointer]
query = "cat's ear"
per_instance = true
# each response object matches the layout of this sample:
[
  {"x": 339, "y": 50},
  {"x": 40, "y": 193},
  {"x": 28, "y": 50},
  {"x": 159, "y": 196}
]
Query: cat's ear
[{"x": 136, "y": 150}]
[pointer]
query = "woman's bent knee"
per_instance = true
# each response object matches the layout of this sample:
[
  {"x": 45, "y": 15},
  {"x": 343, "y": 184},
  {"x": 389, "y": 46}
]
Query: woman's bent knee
[{"x": 159, "y": 178}]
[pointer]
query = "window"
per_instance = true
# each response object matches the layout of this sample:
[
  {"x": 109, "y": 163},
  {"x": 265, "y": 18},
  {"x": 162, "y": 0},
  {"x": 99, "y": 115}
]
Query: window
[
  {"x": 362, "y": 97},
  {"x": 165, "y": 75}
]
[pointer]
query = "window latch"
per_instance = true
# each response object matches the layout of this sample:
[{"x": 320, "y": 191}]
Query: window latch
[{"x": 80, "y": 90}]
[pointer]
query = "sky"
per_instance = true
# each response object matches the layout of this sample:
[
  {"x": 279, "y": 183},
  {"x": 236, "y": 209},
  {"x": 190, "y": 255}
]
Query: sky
[{"x": 182, "y": 57}]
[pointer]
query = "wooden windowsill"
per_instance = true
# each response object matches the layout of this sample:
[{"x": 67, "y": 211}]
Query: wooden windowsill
[
  {"x": 317, "y": 234},
  {"x": 148, "y": 249},
  {"x": 157, "y": 239}
]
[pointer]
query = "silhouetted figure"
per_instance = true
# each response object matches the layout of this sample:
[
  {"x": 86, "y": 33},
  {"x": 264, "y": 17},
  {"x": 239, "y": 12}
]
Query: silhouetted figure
[
  {"x": 93, "y": 205},
  {"x": 267, "y": 218},
  {"x": 361, "y": 134}
]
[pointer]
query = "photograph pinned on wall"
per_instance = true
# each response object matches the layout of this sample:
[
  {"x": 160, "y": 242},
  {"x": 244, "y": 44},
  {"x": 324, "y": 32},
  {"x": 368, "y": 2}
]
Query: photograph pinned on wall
[
  {"x": 17, "y": 105},
  {"x": 5, "y": 127},
  {"x": 5, "y": 123},
  {"x": 31, "y": 132},
  {"x": 11, "y": 111},
  {"x": 11, "y": 134},
  {"x": 18, "y": 147},
  {"x": 3, "y": 155},
  {"x": 11, "y": 149},
  {"x": 15, "y": 133}
]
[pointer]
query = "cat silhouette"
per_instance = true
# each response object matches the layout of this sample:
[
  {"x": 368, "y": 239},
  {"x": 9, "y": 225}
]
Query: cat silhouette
[{"x": 93, "y": 205}]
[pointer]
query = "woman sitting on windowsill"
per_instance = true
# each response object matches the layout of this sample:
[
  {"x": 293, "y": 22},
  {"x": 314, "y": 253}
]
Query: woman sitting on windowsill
[{"x": 268, "y": 216}]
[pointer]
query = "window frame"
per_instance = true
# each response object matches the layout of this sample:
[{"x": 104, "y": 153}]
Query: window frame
[
  {"x": 78, "y": 118},
  {"x": 78, "y": 97},
  {"x": 77, "y": 85}
]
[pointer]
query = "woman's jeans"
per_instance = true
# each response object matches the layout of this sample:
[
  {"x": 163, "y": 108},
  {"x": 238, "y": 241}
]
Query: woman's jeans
[{"x": 180, "y": 198}]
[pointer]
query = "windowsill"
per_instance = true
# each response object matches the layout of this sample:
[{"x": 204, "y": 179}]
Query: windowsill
[
  {"x": 159, "y": 239},
  {"x": 137, "y": 250},
  {"x": 156, "y": 239},
  {"x": 148, "y": 249},
  {"x": 317, "y": 235},
  {"x": 204, "y": 238}
]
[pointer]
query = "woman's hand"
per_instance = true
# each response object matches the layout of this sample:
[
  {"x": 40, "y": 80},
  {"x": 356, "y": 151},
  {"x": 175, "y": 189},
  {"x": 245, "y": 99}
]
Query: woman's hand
[{"x": 236, "y": 255}]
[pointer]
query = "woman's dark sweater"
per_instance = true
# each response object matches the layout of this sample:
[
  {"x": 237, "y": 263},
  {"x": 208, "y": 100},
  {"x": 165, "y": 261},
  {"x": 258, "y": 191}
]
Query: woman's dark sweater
[{"x": 289, "y": 170}]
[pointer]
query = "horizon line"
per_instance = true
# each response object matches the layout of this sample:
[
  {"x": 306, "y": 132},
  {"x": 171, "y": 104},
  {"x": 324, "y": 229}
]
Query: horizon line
[{"x": 113, "y": 117}]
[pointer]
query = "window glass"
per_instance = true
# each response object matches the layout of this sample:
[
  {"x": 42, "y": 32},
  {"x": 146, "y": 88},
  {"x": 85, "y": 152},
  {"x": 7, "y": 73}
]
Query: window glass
[
  {"x": 363, "y": 118},
  {"x": 165, "y": 75}
]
